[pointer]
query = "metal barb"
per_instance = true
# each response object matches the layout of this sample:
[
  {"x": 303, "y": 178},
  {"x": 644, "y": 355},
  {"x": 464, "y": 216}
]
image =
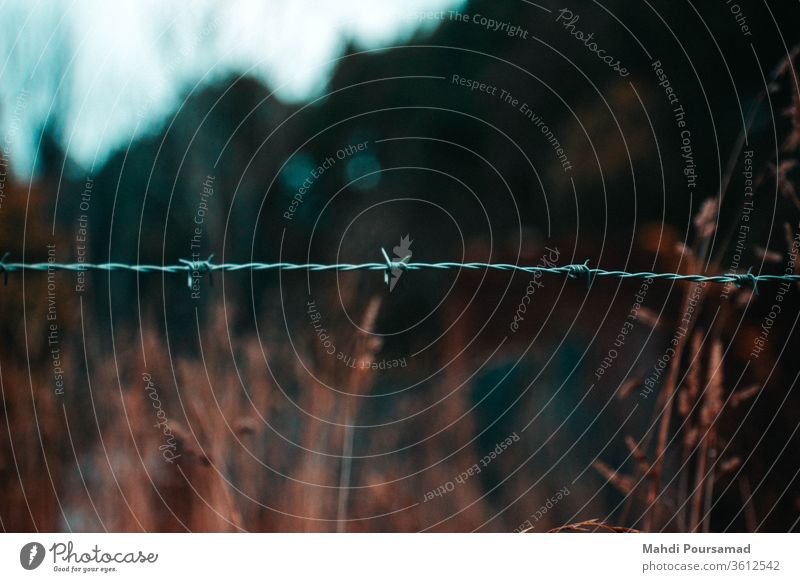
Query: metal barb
[
  {"x": 575, "y": 271},
  {"x": 748, "y": 278},
  {"x": 198, "y": 267}
]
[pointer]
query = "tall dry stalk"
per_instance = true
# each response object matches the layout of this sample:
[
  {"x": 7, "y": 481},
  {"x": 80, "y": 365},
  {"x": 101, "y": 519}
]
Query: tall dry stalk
[{"x": 366, "y": 346}]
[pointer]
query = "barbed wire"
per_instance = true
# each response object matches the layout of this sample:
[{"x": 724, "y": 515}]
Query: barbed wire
[{"x": 195, "y": 268}]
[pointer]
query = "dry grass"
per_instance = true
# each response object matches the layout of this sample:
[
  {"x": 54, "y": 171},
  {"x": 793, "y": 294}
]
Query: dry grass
[{"x": 698, "y": 385}]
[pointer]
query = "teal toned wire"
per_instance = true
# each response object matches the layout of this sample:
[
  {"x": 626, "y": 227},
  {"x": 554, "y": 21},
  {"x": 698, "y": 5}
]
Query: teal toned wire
[{"x": 574, "y": 271}]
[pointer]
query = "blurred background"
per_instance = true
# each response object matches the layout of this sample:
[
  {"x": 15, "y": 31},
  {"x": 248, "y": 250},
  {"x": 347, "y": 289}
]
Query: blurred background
[{"x": 660, "y": 136}]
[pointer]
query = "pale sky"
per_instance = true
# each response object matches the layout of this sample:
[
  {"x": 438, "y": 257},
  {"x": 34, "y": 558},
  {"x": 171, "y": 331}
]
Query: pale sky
[{"x": 102, "y": 70}]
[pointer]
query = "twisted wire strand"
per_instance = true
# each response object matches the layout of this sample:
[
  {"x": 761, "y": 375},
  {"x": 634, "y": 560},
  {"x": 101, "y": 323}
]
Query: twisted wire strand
[{"x": 389, "y": 265}]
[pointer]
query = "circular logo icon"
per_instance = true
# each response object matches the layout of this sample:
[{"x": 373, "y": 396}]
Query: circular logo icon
[{"x": 31, "y": 555}]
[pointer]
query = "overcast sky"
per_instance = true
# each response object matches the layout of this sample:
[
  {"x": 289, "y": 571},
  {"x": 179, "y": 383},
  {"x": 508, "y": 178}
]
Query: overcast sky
[{"x": 104, "y": 70}]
